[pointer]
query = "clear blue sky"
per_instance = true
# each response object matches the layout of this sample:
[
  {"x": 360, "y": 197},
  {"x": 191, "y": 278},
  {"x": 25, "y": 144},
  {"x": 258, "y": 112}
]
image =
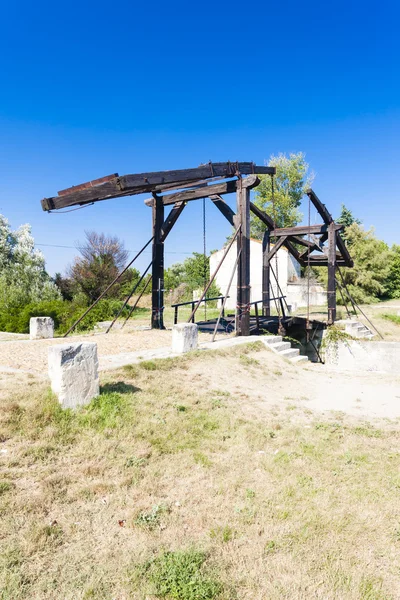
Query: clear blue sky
[{"x": 93, "y": 88}]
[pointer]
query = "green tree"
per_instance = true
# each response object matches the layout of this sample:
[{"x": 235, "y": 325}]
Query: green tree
[
  {"x": 291, "y": 180},
  {"x": 393, "y": 283},
  {"x": 194, "y": 273},
  {"x": 102, "y": 258},
  {"x": 23, "y": 277},
  {"x": 368, "y": 280},
  {"x": 346, "y": 218}
]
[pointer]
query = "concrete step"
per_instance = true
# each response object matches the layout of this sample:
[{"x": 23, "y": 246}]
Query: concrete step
[
  {"x": 280, "y": 346},
  {"x": 299, "y": 359},
  {"x": 271, "y": 339},
  {"x": 290, "y": 353}
]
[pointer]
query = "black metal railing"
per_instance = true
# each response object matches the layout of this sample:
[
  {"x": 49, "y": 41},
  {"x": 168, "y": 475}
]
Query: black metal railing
[{"x": 192, "y": 303}]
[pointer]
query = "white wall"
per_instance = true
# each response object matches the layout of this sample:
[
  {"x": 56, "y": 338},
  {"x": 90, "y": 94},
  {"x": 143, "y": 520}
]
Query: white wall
[{"x": 287, "y": 270}]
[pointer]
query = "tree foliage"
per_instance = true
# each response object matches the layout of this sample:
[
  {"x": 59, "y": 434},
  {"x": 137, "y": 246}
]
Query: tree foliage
[
  {"x": 291, "y": 180},
  {"x": 393, "y": 281},
  {"x": 346, "y": 218},
  {"x": 23, "y": 277},
  {"x": 102, "y": 258},
  {"x": 193, "y": 274},
  {"x": 368, "y": 280}
]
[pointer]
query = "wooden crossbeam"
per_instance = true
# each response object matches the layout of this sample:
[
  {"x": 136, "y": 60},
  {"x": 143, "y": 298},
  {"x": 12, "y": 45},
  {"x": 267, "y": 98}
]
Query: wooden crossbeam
[
  {"x": 275, "y": 248},
  {"x": 171, "y": 220},
  {"x": 266, "y": 219},
  {"x": 303, "y": 229},
  {"x": 321, "y": 208},
  {"x": 225, "y": 209},
  {"x": 206, "y": 191},
  {"x": 150, "y": 182},
  {"x": 327, "y": 218}
]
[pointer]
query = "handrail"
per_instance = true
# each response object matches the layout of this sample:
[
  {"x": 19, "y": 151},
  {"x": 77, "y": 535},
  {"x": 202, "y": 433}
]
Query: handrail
[{"x": 194, "y": 301}]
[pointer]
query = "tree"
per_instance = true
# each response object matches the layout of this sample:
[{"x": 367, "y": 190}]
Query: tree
[
  {"x": 193, "y": 274},
  {"x": 291, "y": 180},
  {"x": 346, "y": 218},
  {"x": 393, "y": 283},
  {"x": 368, "y": 280},
  {"x": 102, "y": 258},
  {"x": 23, "y": 277}
]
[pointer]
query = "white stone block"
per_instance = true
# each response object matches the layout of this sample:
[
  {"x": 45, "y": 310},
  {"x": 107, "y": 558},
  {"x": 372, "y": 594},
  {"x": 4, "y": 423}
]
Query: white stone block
[
  {"x": 73, "y": 371},
  {"x": 184, "y": 337},
  {"x": 41, "y": 328}
]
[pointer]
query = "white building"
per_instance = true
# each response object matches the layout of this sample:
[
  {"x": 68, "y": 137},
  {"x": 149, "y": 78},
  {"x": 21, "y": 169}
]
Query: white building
[{"x": 286, "y": 268}]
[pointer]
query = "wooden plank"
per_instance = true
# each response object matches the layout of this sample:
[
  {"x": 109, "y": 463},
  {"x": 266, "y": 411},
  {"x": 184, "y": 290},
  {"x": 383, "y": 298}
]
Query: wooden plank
[
  {"x": 275, "y": 248},
  {"x": 266, "y": 219},
  {"x": 171, "y": 220},
  {"x": 206, "y": 191},
  {"x": 303, "y": 230},
  {"x": 243, "y": 272},
  {"x": 266, "y": 274},
  {"x": 154, "y": 181},
  {"x": 225, "y": 209},
  {"x": 157, "y": 283},
  {"x": 344, "y": 251},
  {"x": 88, "y": 184},
  {"x": 293, "y": 250},
  {"x": 321, "y": 208}
]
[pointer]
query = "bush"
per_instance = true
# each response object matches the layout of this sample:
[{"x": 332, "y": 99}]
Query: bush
[{"x": 63, "y": 313}]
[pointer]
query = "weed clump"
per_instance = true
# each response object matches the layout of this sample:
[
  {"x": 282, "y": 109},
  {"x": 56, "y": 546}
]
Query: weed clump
[{"x": 182, "y": 575}]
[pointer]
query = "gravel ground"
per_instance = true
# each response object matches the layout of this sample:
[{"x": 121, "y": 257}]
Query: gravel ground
[{"x": 31, "y": 355}]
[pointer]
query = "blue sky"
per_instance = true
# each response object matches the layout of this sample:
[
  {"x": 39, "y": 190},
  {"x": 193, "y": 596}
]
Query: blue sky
[{"x": 89, "y": 89}]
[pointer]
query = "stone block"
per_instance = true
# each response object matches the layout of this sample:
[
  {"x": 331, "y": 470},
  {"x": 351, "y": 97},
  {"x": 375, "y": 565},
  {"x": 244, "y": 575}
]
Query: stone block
[
  {"x": 184, "y": 337},
  {"x": 41, "y": 328},
  {"x": 73, "y": 371}
]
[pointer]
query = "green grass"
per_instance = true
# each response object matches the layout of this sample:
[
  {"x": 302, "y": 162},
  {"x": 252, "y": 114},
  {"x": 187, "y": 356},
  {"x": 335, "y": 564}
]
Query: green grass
[
  {"x": 169, "y": 486},
  {"x": 182, "y": 575},
  {"x": 393, "y": 318}
]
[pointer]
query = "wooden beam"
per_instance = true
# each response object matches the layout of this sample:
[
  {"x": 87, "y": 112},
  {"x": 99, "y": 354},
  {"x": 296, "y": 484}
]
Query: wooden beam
[
  {"x": 266, "y": 274},
  {"x": 227, "y": 187},
  {"x": 322, "y": 263},
  {"x": 266, "y": 219},
  {"x": 171, "y": 220},
  {"x": 157, "y": 283},
  {"x": 303, "y": 230},
  {"x": 343, "y": 251},
  {"x": 243, "y": 273},
  {"x": 150, "y": 182},
  {"x": 293, "y": 250},
  {"x": 275, "y": 248},
  {"x": 225, "y": 209},
  {"x": 321, "y": 208}
]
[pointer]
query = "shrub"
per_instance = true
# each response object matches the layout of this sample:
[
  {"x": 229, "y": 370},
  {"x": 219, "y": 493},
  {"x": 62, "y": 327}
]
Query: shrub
[{"x": 63, "y": 313}]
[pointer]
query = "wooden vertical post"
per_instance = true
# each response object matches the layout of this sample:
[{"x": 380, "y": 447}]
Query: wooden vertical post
[
  {"x": 243, "y": 244},
  {"x": 331, "y": 274},
  {"x": 266, "y": 274},
  {"x": 157, "y": 295}
]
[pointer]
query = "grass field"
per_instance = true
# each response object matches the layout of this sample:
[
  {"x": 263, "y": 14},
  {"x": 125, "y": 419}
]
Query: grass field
[{"x": 169, "y": 486}]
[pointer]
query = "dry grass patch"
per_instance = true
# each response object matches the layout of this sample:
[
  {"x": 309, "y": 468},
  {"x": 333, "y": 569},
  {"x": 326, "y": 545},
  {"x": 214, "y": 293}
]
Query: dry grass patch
[{"x": 169, "y": 486}]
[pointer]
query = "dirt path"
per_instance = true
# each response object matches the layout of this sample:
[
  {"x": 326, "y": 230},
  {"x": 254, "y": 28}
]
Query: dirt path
[{"x": 271, "y": 381}]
